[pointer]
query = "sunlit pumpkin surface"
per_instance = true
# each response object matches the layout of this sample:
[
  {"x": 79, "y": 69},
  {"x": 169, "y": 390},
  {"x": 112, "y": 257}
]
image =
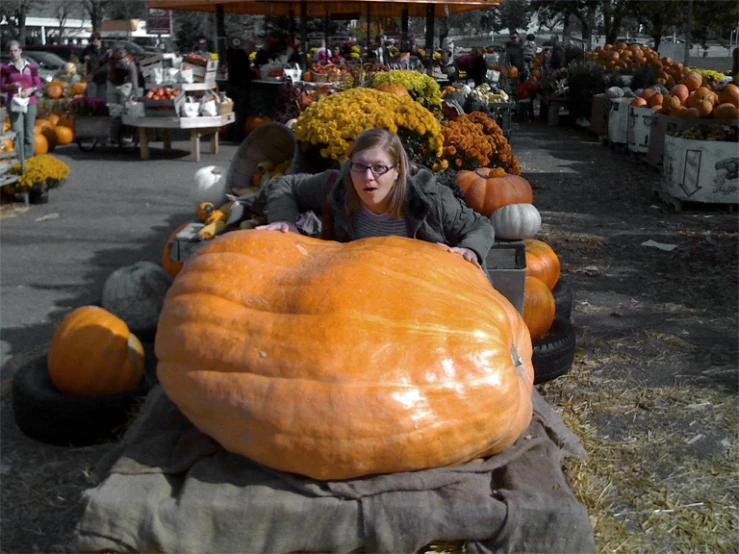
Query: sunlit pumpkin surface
[{"x": 339, "y": 360}]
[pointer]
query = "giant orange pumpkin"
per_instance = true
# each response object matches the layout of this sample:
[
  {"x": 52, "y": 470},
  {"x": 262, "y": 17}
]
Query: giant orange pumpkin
[
  {"x": 485, "y": 191},
  {"x": 538, "y": 307},
  {"x": 93, "y": 353},
  {"x": 542, "y": 262},
  {"x": 336, "y": 360}
]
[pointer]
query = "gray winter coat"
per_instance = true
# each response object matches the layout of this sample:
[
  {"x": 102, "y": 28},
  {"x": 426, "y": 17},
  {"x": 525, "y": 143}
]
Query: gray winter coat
[{"x": 432, "y": 211}]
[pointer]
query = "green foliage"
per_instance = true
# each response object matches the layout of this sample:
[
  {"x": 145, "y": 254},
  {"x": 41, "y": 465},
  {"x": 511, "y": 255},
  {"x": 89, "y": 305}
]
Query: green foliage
[{"x": 644, "y": 77}]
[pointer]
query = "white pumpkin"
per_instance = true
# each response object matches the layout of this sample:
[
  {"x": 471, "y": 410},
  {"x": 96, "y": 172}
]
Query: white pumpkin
[
  {"x": 516, "y": 221},
  {"x": 135, "y": 293},
  {"x": 70, "y": 69},
  {"x": 209, "y": 186}
]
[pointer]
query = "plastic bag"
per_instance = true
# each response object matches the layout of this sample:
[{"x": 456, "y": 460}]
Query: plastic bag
[
  {"x": 209, "y": 109},
  {"x": 190, "y": 109},
  {"x": 186, "y": 75},
  {"x": 19, "y": 104},
  {"x": 135, "y": 109}
]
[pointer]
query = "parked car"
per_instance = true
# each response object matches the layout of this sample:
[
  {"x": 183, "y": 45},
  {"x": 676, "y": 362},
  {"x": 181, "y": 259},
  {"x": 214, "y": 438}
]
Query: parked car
[
  {"x": 136, "y": 50},
  {"x": 68, "y": 52},
  {"x": 49, "y": 65}
]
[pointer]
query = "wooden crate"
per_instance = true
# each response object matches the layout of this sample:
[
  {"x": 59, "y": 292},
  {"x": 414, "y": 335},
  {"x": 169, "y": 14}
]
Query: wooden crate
[{"x": 164, "y": 108}]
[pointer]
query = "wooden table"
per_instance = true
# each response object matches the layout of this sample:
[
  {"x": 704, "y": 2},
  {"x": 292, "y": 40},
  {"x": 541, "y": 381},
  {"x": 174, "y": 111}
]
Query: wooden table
[{"x": 198, "y": 126}]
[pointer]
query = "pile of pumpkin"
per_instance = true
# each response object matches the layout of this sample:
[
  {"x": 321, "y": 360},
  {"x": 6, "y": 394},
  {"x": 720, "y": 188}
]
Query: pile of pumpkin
[
  {"x": 508, "y": 201},
  {"x": 50, "y": 131},
  {"x": 692, "y": 98},
  {"x": 56, "y": 90}
]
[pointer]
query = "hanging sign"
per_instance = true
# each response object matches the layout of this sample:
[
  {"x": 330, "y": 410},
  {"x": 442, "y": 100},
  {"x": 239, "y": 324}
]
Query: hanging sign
[{"x": 158, "y": 22}]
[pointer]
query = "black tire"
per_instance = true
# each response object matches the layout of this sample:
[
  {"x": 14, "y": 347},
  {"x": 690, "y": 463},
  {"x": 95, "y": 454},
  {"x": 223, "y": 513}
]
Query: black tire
[
  {"x": 555, "y": 352},
  {"x": 87, "y": 144},
  {"x": 45, "y": 414},
  {"x": 562, "y": 299}
]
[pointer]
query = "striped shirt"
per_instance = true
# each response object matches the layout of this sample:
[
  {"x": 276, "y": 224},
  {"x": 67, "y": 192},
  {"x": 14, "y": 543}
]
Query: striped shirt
[{"x": 368, "y": 224}]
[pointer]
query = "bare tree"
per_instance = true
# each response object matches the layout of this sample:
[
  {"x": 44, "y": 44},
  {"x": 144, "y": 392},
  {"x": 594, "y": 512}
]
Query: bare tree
[
  {"x": 16, "y": 13},
  {"x": 63, "y": 10},
  {"x": 96, "y": 11}
]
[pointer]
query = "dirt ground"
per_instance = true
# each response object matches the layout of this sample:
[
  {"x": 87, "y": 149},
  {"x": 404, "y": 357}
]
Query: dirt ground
[{"x": 646, "y": 318}]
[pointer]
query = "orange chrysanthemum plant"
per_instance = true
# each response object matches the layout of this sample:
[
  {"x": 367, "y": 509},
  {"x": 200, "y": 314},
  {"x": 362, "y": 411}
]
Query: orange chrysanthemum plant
[{"x": 475, "y": 140}]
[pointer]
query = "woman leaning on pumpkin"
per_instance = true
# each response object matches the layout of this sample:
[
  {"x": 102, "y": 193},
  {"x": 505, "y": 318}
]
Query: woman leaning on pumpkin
[
  {"x": 20, "y": 77},
  {"x": 375, "y": 193}
]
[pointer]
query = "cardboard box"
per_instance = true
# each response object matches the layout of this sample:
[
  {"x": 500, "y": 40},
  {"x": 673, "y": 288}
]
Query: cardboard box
[
  {"x": 506, "y": 266},
  {"x": 147, "y": 65}
]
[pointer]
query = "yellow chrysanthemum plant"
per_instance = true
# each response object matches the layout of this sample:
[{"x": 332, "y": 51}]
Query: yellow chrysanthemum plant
[
  {"x": 333, "y": 123},
  {"x": 422, "y": 88},
  {"x": 475, "y": 140},
  {"x": 41, "y": 172}
]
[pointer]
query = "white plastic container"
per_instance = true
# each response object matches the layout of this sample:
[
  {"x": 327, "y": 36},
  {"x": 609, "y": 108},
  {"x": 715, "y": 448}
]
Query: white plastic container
[
  {"x": 639, "y": 127},
  {"x": 618, "y": 119},
  {"x": 701, "y": 170}
]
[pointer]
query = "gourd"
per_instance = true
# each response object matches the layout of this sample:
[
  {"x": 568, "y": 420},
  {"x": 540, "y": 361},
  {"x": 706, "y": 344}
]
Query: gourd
[
  {"x": 516, "y": 221},
  {"x": 538, "y": 307},
  {"x": 337, "y": 360},
  {"x": 70, "y": 69},
  {"x": 93, "y": 353},
  {"x": 488, "y": 189},
  {"x": 209, "y": 186},
  {"x": 542, "y": 262},
  {"x": 614, "y": 92},
  {"x": 135, "y": 293}
]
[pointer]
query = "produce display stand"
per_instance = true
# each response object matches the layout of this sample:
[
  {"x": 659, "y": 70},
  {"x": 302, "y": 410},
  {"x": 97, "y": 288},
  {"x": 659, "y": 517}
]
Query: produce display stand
[
  {"x": 198, "y": 126},
  {"x": 503, "y": 112},
  {"x": 7, "y": 159},
  {"x": 639, "y": 128}
]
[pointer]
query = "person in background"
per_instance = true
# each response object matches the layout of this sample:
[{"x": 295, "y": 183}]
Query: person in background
[
  {"x": 526, "y": 90},
  {"x": 321, "y": 54},
  {"x": 478, "y": 67},
  {"x": 122, "y": 71},
  {"x": 202, "y": 48},
  {"x": 337, "y": 58},
  {"x": 514, "y": 53},
  {"x": 20, "y": 77},
  {"x": 557, "y": 58},
  {"x": 239, "y": 81},
  {"x": 376, "y": 193},
  {"x": 274, "y": 46},
  {"x": 91, "y": 56},
  {"x": 529, "y": 52}
]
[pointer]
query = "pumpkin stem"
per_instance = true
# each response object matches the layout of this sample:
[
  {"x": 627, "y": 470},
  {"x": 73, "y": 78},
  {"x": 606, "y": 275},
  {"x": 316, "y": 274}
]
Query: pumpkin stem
[{"x": 481, "y": 174}]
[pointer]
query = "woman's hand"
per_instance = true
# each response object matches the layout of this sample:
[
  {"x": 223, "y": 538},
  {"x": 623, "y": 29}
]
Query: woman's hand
[
  {"x": 466, "y": 253},
  {"x": 26, "y": 92},
  {"x": 283, "y": 226}
]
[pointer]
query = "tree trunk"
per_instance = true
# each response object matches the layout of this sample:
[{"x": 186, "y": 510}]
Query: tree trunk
[
  {"x": 22, "y": 24},
  {"x": 566, "y": 29},
  {"x": 590, "y": 18}
]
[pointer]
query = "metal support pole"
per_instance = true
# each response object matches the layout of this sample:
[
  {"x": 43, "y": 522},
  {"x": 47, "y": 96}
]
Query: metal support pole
[
  {"x": 430, "y": 38},
  {"x": 404, "y": 38},
  {"x": 369, "y": 24},
  {"x": 220, "y": 34},
  {"x": 304, "y": 33}
]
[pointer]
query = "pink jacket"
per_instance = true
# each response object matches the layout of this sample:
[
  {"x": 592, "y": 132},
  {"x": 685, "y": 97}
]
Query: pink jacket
[{"x": 26, "y": 76}]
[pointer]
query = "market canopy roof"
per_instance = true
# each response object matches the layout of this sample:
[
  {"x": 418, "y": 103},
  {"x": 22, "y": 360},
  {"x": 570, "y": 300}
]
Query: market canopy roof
[{"x": 320, "y": 8}]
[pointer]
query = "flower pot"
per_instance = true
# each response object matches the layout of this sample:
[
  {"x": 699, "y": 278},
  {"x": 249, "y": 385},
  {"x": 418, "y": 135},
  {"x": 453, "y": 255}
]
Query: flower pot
[{"x": 38, "y": 196}]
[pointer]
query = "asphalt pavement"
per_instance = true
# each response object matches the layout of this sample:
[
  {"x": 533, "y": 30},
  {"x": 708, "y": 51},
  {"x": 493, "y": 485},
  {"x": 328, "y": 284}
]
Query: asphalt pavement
[{"x": 113, "y": 210}]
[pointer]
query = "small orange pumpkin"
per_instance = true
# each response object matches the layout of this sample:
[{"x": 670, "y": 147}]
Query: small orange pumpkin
[
  {"x": 729, "y": 95},
  {"x": 54, "y": 91},
  {"x": 681, "y": 91},
  {"x": 538, "y": 307},
  {"x": 485, "y": 191},
  {"x": 542, "y": 262},
  {"x": 78, "y": 88},
  {"x": 690, "y": 113},
  {"x": 655, "y": 100},
  {"x": 40, "y": 144},
  {"x": 172, "y": 267},
  {"x": 393, "y": 88},
  {"x": 726, "y": 111},
  {"x": 254, "y": 121},
  {"x": 93, "y": 353},
  {"x": 51, "y": 138},
  {"x": 639, "y": 102},
  {"x": 692, "y": 80},
  {"x": 64, "y": 135}
]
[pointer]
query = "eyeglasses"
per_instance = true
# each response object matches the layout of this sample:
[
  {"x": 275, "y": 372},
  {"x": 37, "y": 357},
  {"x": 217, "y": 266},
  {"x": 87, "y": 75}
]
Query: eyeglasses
[{"x": 376, "y": 169}]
